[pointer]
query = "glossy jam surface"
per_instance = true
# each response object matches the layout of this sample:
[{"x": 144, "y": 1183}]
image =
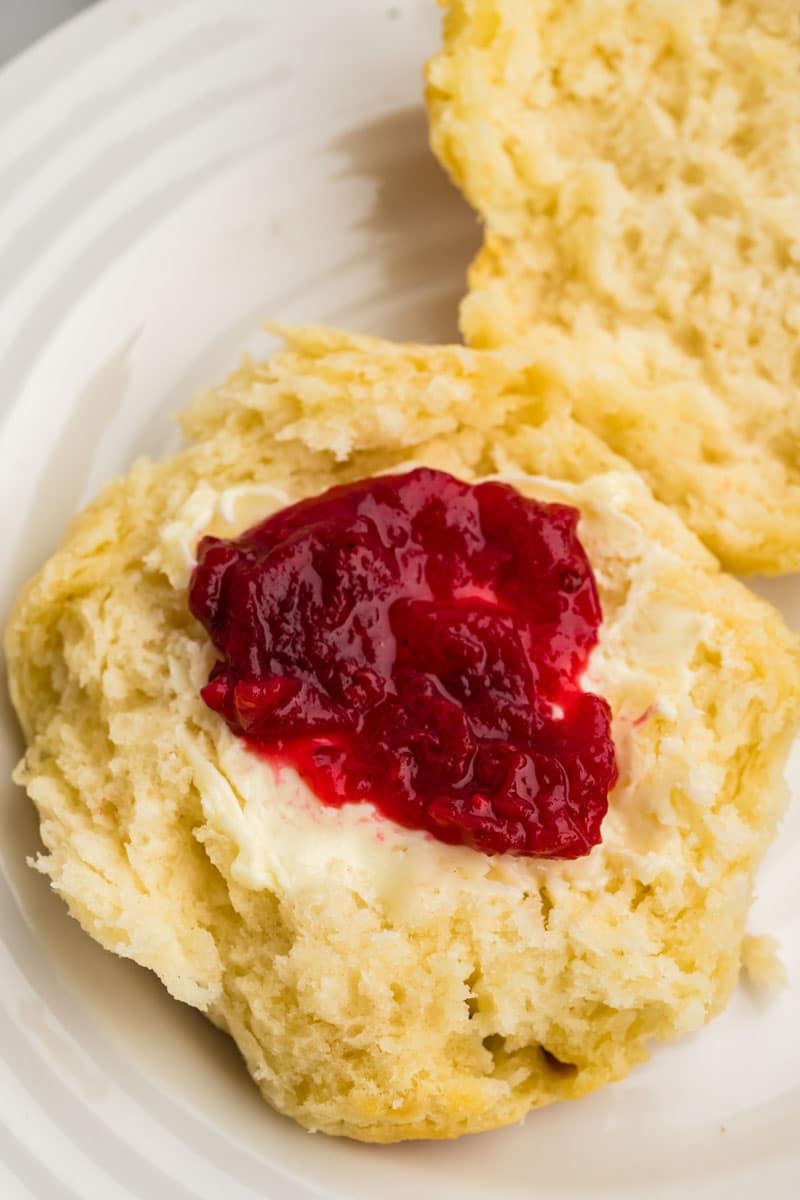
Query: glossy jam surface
[{"x": 418, "y": 642}]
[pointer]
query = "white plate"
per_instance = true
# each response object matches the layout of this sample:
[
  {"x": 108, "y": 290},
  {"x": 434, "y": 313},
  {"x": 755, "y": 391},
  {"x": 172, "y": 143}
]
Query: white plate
[{"x": 170, "y": 173}]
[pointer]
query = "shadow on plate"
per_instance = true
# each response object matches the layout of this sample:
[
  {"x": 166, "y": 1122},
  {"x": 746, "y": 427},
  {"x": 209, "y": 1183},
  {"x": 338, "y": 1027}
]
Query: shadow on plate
[{"x": 419, "y": 228}]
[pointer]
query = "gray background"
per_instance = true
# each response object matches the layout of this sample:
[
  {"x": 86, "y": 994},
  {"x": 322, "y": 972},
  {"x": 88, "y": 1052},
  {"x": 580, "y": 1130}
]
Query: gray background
[{"x": 22, "y": 21}]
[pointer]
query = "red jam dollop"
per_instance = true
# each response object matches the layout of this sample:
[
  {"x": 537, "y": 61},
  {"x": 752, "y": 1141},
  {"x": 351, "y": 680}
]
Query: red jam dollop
[{"x": 418, "y": 642}]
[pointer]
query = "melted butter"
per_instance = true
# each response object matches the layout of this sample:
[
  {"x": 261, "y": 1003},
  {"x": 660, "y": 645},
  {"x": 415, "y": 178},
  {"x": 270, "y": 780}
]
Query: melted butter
[{"x": 210, "y": 512}]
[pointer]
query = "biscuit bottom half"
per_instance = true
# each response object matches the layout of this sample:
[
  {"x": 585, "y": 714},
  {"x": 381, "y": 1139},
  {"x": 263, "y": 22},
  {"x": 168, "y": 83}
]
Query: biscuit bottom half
[{"x": 380, "y": 984}]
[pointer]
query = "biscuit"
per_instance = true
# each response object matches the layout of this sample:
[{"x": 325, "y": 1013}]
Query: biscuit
[
  {"x": 378, "y": 983},
  {"x": 637, "y": 167}
]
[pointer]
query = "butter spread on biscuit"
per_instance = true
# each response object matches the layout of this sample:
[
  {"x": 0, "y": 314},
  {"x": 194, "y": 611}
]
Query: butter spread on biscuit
[{"x": 279, "y": 829}]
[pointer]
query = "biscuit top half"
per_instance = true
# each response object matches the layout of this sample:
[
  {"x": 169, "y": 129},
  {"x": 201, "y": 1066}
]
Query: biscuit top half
[{"x": 637, "y": 166}]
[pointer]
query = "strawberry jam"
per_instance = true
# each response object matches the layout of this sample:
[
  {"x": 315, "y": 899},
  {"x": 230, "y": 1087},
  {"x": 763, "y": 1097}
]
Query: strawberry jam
[{"x": 418, "y": 642}]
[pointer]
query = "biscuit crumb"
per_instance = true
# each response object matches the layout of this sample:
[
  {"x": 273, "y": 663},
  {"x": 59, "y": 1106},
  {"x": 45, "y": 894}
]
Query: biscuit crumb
[{"x": 762, "y": 963}]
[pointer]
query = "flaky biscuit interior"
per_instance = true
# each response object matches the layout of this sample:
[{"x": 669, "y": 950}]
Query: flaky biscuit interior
[
  {"x": 637, "y": 166},
  {"x": 380, "y": 984}
]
